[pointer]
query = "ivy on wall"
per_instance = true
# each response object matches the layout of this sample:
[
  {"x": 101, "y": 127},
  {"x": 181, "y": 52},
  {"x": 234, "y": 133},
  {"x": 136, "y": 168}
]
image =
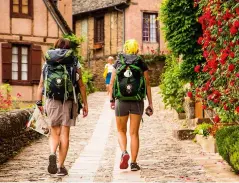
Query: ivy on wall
[{"x": 181, "y": 29}]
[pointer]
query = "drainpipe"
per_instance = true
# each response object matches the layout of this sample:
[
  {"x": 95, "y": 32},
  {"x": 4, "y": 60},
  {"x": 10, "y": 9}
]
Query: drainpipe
[{"x": 123, "y": 23}]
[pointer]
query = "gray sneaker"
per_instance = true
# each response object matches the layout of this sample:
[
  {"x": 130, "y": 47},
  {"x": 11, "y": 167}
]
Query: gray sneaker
[
  {"x": 52, "y": 167},
  {"x": 62, "y": 171},
  {"x": 134, "y": 167}
]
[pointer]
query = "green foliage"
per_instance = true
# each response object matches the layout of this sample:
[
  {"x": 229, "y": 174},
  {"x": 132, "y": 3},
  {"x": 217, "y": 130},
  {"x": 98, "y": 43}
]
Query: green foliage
[
  {"x": 182, "y": 31},
  {"x": 87, "y": 77},
  {"x": 86, "y": 74},
  {"x": 152, "y": 59},
  {"x": 7, "y": 101},
  {"x": 75, "y": 41},
  {"x": 227, "y": 140},
  {"x": 153, "y": 56},
  {"x": 203, "y": 129},
  {"x": 172, "y": 87}
]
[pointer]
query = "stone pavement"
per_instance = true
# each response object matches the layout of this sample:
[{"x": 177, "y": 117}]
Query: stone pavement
[{"x": 94, "y": 154}]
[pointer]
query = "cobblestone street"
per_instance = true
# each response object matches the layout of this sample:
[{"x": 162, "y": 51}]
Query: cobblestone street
[{"x": 94, "y": 154}]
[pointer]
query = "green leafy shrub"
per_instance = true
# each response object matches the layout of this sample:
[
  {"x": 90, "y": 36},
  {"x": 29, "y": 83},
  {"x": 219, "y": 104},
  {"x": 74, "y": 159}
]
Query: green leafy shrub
[
  {"x": 86, "y": 73},
  {"x": 227, "y": 140},
  {"x": 203, "y": 129},
  {"x": 181, "y": 29},
  {"x": 172, "y": 87}
]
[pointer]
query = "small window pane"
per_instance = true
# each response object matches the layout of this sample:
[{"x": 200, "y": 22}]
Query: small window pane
[
  {"x": 15, "y": 8},
  {"x": 24, "y": 59},
  {"x": 14, "y": 75},
  {"x": 24, "y": 76},
  {"x": 24, "y": 2},
  {"x": 15, "y": 1},
  {"x": 24, "y": 67},
  {"x": 14, "y": 50},
  {"x": 24, "y": 51},
  {"x": 14, "y": 58},
  {"x": 25, "y": 9},
  {"x": 14, "y": 67}
]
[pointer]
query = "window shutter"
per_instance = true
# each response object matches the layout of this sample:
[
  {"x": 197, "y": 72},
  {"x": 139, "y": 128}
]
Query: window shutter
[
  {"x": 6, "y": 62},
  {"x": 36, "y": 58}
]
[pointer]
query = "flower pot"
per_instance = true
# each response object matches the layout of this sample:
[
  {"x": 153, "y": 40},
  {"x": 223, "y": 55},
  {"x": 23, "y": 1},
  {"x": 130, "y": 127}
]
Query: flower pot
[
  {"x": 181, "y": 115},
  {"x": 208, "y": 143}
]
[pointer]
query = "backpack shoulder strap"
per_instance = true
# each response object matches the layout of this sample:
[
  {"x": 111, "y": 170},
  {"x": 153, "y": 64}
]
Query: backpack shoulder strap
[{"x": 121, "y": 58}]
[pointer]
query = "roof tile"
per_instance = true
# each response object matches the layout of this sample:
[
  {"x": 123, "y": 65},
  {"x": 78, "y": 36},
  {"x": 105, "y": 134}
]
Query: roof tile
[{"x": 82, "y": 6}]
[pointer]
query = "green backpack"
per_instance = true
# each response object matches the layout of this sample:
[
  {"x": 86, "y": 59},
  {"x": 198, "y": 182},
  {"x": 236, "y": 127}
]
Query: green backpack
[
  {"x": 59, "y": 75},
  {"x": 129, "y": 82}
]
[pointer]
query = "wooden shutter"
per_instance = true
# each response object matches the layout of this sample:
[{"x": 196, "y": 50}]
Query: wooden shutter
[
  {"x": 36, "y": 58},
  {"x": 6, "y": 62}
]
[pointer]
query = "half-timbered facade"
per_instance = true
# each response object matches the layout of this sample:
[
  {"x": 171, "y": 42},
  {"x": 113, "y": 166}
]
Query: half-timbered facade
[{"x": 27, "y": 29}]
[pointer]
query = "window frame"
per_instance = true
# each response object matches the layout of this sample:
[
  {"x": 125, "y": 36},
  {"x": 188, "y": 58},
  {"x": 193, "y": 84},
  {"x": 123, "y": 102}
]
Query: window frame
[
  {"x": 96, "y": 36},
  {"x": 156, "y": 28},
  {"x": 20, "y": 14},
  {"x": 19, "y": 81}
]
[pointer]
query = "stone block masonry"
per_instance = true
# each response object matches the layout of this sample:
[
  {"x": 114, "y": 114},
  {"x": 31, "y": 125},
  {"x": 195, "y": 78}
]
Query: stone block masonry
[
  {"x": 97, "y": 68},
  {"x": 13, "y": 134}
]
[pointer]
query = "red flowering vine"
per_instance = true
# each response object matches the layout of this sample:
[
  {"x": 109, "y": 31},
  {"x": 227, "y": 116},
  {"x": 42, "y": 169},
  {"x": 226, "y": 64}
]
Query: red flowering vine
[{"x": 218, "y": 82}]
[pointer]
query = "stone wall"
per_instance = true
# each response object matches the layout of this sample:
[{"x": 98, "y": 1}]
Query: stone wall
[
  {"x": 113, "y": 36},
  {"x": 13, "y": 134},
  {"x": 155, "y": 72},
  {"x": 97, "y": 68}
]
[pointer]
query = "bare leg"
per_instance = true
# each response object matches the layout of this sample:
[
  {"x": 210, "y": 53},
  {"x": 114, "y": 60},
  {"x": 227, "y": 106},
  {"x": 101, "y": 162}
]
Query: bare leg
[
  {"x": 64, "y": 144},
  {"x": 122, "y": 129},
  {"x": 107, "y": 89},
  {"x": 54, "y": 138},
  {"x": 134, "y": 135}
]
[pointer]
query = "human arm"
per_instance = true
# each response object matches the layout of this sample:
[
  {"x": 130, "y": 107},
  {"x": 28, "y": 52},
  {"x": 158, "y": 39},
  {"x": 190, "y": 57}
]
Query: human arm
[
  {"x": 39, "y": 92},
  {"x": 83, "y": 93},
  {"x": 148, "y": 89},
  {"x": 111, "y": 87}
]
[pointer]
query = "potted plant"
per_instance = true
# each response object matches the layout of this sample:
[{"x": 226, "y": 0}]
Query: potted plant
[{"x": 204, "y": 138}]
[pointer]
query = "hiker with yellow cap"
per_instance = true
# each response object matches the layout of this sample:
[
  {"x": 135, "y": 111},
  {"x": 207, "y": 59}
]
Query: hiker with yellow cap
[{"x": 129, "y": 86}]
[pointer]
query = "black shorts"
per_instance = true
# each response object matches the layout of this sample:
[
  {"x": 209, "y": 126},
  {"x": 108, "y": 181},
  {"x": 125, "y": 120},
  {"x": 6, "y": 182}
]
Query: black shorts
[{"x": 124, "y": 108}]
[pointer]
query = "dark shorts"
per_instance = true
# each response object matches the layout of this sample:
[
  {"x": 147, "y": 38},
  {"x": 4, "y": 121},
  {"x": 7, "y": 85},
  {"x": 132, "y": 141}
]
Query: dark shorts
[
  {"x": 124, "y": 108},
  {"x": 108, "y": 77}
]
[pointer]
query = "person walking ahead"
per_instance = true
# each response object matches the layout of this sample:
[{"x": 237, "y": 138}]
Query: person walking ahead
[
  {"x": 61, "y": 81},
  {"x": 130, "y": 83},
  {"x": 108, "y": 69}
]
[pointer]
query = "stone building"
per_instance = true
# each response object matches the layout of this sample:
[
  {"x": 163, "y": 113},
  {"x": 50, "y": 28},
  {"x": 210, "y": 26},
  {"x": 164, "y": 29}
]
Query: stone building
[
  {"x": 106, "y": 25},
  {"x": 27, "y": 29}
]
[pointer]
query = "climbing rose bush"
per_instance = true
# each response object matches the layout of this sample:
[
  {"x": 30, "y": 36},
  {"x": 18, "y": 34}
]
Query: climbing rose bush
[{"x": 218, "y": 79}]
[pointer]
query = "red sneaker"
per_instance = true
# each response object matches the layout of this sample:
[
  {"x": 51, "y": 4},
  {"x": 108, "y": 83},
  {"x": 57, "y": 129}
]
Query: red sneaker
[{"x": 124, "y": 161}]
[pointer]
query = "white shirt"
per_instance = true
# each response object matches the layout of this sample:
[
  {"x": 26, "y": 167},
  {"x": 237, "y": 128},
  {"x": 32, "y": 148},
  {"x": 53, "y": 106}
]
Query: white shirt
[{"x": 110, "y": 67}]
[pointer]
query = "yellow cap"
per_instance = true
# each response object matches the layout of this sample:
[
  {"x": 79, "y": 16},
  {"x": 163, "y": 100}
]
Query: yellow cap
[{"x": 131, "y": 46}]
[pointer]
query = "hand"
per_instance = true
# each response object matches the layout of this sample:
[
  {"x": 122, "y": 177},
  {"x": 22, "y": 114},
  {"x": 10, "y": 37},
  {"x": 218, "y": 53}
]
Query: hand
[
  {"x": 39, "y": 105},
  {"x": 85, "y": 110},
  {"x": 150, "y": 110},
  {"x": 112, "y": 105}
]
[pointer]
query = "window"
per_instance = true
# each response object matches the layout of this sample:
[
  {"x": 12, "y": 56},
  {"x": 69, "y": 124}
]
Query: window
[
  {"x": 21, "y": 8},
  {"x": 99, "y": 30},
  {"x": 21, "y": 64},
  {"x": 150, "y": 27}
]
